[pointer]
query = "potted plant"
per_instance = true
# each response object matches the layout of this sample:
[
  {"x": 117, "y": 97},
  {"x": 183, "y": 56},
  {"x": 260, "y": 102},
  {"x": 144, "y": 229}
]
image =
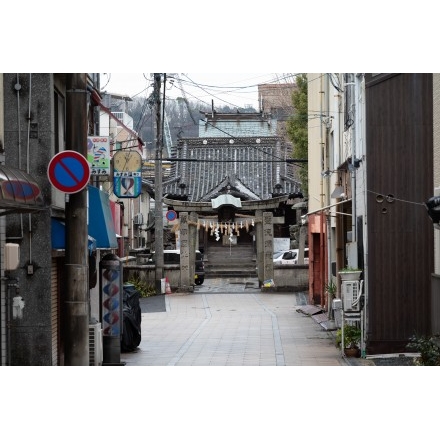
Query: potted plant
[
  {"x": 352, "y": 339},
  {"x": 330, "y": 288},
  {"x": 350, "y": 273}
]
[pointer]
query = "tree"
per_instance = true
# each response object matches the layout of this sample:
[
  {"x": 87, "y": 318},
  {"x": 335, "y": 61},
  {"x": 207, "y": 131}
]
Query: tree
[{"x": 297, "y": 128}]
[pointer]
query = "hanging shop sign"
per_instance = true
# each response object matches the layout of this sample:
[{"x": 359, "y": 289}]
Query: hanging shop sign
[
  {"x": 127, "y": 174},
  {"x": 98, "y": 155}
]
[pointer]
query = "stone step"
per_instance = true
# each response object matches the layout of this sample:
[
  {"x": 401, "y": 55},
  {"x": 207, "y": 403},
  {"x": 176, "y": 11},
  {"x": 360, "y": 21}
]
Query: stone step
[
  {"x": 224, "y": 261},
  {"x": 228, "y": 273}
]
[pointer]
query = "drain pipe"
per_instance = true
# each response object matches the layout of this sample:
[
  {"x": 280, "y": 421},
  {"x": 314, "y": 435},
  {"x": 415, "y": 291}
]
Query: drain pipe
[
  {"x": 361, "y": 129},
  {"x": 321, "y": 220},
  {"x": 17, "y": 88},
  {"x": 352, "y": 84},
  {"x": 9, "y": 314},
  {"x": 30, "y": 271},
  {"x": 8, "y": 324},
  {"x": 29, "y": 123}
]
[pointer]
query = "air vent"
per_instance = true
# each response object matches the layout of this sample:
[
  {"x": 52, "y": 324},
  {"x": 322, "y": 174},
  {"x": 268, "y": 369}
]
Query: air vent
[
  {"x": 95, "y": 344},
  {"x": 138, "y": 219}
]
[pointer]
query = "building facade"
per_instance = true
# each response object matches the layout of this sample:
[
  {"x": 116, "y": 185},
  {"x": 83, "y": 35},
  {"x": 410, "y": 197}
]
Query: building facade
[
  {"x": 370, "y": 173},
  {"x": 39, "y": 120}
]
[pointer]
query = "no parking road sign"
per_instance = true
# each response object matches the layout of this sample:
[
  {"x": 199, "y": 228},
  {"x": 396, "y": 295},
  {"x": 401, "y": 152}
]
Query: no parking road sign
[
  {"x": 69, "y": 171},
  {"x": 171, "y": 215}
]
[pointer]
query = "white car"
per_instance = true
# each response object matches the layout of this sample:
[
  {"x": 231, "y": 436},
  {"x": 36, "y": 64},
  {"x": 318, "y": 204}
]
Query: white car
[{"x": 289, "y": 257}]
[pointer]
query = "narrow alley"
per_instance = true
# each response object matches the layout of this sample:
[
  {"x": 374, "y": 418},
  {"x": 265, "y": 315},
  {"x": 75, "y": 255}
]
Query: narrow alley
[{"x": 230, "y": 322}]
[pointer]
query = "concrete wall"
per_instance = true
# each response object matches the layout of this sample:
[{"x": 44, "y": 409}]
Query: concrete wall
[
  {"x": 291, "y": 278},
  {"x": 31, "y": 336},
  {"x": 147, "y": 273}
]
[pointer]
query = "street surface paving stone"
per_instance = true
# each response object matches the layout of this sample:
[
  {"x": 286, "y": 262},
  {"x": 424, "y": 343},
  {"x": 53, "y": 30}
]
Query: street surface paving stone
[{"x": 231, "y": 322}]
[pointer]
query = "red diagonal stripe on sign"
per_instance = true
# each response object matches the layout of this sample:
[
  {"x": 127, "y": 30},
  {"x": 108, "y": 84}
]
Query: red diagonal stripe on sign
[{"x": 68, "y": 171}]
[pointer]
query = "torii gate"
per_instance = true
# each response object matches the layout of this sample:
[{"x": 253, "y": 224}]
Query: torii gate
[{"x": 188, "y": 216}]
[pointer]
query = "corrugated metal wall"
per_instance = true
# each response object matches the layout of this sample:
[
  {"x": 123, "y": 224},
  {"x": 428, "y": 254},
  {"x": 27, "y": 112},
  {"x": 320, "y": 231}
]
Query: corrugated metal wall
[{"x": 399, "y": 128}]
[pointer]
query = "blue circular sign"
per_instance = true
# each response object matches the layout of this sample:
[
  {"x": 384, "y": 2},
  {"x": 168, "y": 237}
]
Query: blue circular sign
[
  {"x": 69, "y": 171},
  {"x": 171, "y": 215}
]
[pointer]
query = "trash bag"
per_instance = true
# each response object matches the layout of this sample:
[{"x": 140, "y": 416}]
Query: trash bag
[{"x": 132, "y": 316}]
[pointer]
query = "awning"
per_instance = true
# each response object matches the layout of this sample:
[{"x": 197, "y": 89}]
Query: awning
[
  {"x": 101, "y": 225},
  {"x": 337, "y": 193},
  {"x": 58, "y": 233},
  {"x": 19, "y": 192},
  {"x": 100, "y": 229}
]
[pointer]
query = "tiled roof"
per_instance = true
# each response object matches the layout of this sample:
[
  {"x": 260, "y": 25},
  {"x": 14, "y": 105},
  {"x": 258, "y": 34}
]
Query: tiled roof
[
  {"x": 252, "y": 167},
  {"x": 237, "y": 124}
]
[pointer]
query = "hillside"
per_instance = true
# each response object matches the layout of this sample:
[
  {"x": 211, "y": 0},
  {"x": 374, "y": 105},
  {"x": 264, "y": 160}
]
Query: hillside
[{"x": 183, "y": 118}]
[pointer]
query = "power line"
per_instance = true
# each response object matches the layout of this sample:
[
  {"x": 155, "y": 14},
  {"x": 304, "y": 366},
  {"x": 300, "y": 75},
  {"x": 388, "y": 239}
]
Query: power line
[{"x": 234, "y": 160}]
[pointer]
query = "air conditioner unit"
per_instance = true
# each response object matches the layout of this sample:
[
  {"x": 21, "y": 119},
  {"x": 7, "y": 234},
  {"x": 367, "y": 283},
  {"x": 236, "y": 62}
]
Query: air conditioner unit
[
  {"x": 95, "y": 344},
  {"x": 350, "y": 296},
  {"x": 138, "y": 219}
]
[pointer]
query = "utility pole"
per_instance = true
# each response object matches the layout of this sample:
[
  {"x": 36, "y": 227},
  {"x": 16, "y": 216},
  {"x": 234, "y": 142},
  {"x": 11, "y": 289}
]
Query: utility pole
[
  {"x": 158, "y": 214},
  {"x": 76, "y": 301}
]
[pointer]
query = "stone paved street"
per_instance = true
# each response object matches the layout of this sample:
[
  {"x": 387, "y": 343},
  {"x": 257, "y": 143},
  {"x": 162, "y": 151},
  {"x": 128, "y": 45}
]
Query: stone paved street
[{"x": 228, "y": 322}]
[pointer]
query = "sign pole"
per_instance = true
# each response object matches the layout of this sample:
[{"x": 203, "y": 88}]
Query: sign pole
[
  {"x": 75, "y": 312},
  {"x": 158, "y": 213}
]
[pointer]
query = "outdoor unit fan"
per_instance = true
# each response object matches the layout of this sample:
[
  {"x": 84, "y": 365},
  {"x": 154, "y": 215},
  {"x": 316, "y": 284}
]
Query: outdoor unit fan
[{"x": 351, "y": 294}]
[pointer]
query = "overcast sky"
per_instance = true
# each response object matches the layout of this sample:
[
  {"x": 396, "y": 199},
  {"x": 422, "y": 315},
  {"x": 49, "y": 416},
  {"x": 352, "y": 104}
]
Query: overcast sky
[{"x": 233, "y": 89}]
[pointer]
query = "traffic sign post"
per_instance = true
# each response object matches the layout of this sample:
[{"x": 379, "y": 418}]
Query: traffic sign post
[{"x": 69, "y": 171}]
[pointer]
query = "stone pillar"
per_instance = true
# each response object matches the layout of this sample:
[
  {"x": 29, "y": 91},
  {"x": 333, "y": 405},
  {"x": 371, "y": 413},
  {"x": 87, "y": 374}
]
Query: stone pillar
[
  {"x": 264, "y": 236},
  {"x": 259, "y": 244},
  {"x": 192, "y": 244},
  {"x": 268, "y": 246},
  {"x": 302, "y": 243},
  {"x": 185, "y": 275}
]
